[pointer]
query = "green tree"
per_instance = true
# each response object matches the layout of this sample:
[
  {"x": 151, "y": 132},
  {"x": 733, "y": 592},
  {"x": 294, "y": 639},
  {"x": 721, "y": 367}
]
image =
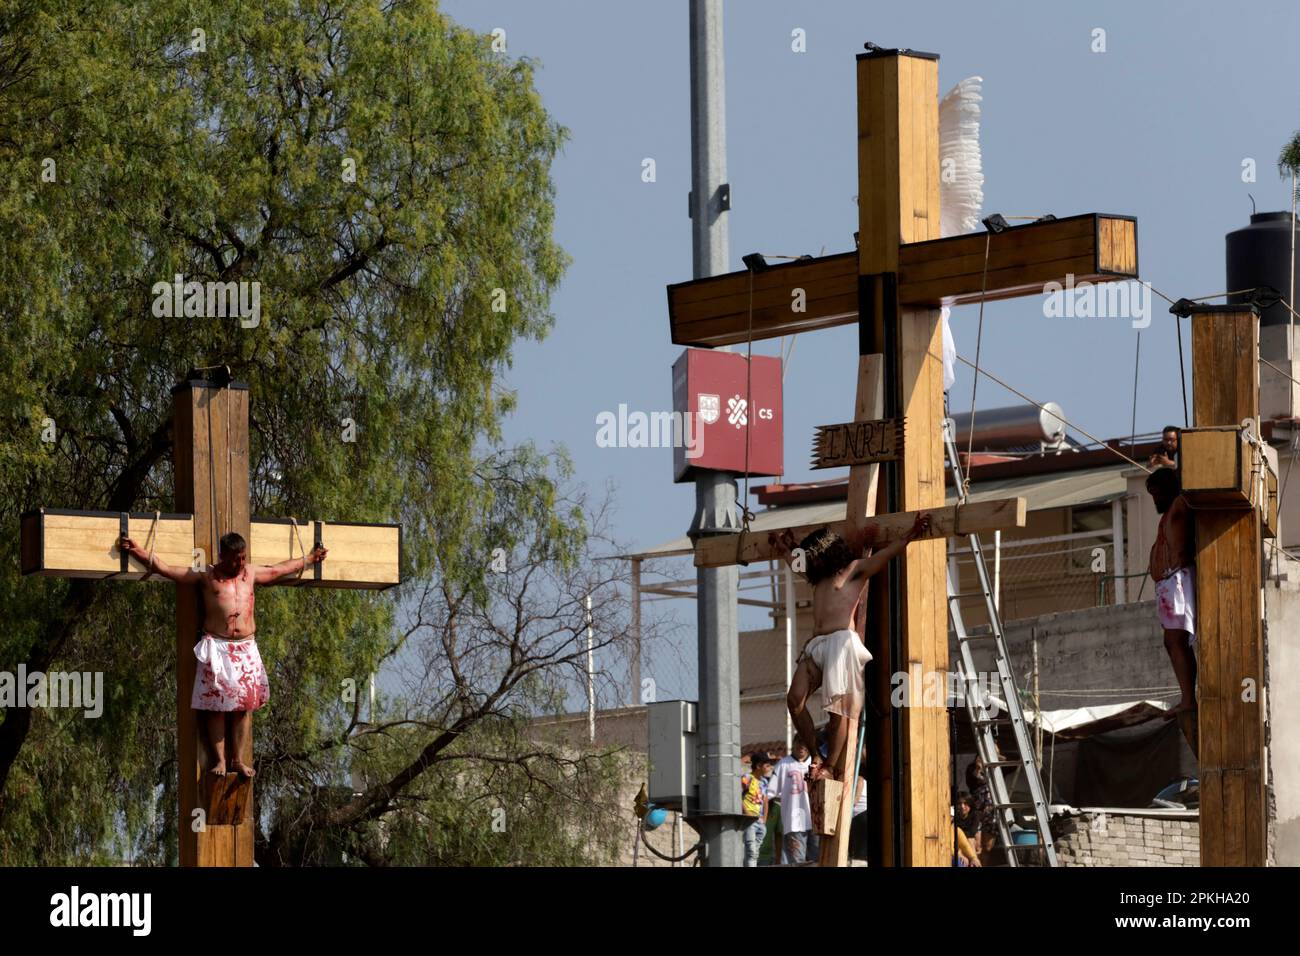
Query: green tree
[{"x": 385, "y": 178}]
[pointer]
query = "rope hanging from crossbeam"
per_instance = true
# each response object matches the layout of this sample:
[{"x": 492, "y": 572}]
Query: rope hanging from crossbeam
[
  {"x": 151, "y": 536},
  {"x": 301, "y": 548},
  {"x": 745, "y": 514}
]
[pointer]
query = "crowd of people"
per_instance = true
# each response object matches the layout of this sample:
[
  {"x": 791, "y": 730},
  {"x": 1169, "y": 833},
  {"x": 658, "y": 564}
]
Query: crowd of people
[{"x": 775, "y": 793}]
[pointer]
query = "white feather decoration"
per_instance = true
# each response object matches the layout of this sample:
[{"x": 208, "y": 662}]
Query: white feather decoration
[{"x": 961, "y": 178}]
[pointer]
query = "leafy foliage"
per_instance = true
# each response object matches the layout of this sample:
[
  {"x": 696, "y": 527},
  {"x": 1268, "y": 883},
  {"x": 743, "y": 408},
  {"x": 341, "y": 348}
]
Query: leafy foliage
[{"x": 133, "y": 149}]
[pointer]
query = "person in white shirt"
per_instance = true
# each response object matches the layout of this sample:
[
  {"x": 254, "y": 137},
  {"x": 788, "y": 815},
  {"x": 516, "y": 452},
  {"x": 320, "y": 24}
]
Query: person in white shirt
[{"x": 790, "y": 789}]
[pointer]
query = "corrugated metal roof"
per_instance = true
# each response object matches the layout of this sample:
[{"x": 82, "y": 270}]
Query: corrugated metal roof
[{"x": 1041, "y": 493}]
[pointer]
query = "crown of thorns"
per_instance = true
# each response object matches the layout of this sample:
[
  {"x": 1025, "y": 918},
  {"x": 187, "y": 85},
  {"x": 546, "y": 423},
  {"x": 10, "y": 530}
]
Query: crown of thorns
[{"x": 824, "y": 541}]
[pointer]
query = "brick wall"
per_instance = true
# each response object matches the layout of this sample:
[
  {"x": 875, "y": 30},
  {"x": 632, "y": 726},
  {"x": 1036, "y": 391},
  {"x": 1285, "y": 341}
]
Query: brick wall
[{"x": 1130, "y": 839}]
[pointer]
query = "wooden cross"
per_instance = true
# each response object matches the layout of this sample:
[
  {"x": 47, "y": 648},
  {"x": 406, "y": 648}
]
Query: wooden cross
[
  {"x": 893, "y": 286},
  {"x": 210, "y": 454},
  {"x": 1216, "y": 467}
]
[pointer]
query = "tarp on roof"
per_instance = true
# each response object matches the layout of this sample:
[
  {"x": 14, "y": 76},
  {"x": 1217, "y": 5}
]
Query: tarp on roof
[{"x": 1041, "y": 493}]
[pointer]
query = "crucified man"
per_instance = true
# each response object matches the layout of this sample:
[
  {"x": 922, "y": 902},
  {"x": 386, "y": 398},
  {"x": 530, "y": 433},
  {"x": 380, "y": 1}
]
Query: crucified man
[
  {"x": 230, "y": 681},
  {"x": 834, "y": 660}
]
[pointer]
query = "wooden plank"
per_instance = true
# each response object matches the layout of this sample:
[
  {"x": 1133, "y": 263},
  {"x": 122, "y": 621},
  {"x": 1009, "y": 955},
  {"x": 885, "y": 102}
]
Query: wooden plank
[
  {"x": 718, "y": 551},
  {"x": 924, "y": 610},
  {"x": 222, "y": 841},
  {"x": 1212, "y": 820},
  {"x": 1118, "y": 245},
  {"x": 1214, "y": 467},
  {"x": 206, "y": 846},
  {"x": 824, "y": 804},
  {"x": 932, "y": 271},
  {"x": 1229, "y": 639},
  {"x": 924, "y": 621},
  {"x": 190, "y": 473},
  {"x": 211, "y": 462},
  {"x": 698, "y": 297},
  {"x": 226, "y": 798},
  {"x": 362, "y": 556},
  {"x": 879, "y": 226},
  {"x": 83, "y": 544},
  {"x": 1234, "y": 809},
  {"x": 835, "y": 851},
  {"x": 857, "y": 443},
  {"x": 868, "y": 405},
  {"x": 960, "y": 259},
  {"x": 243, "y": 842},
  {"x": 1226, "y": 386}
]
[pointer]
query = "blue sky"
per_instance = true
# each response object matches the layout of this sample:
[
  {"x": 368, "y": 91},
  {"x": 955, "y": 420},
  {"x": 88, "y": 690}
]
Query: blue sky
[{"x": 1157, "y": 126}]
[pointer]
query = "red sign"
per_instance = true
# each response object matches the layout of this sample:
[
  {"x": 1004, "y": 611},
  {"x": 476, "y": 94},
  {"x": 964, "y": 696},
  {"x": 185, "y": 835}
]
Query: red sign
[{"x": 720, "y": 412}]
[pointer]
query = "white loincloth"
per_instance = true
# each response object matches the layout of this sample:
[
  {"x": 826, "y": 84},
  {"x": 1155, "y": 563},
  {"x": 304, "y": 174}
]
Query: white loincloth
[
  {"x": 1176, "y": 602},
  {"x": 229, "y": 676},
  {"x": 841, "y": 657}
]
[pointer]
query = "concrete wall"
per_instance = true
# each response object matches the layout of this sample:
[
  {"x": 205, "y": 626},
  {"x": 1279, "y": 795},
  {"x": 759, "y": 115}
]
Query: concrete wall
[
  {"x": 1282, "y": 670},
  {"x": 1103, "y": 838},
  {"x": 1095, "y": 656},
  {"x": 763, "y": 685}
]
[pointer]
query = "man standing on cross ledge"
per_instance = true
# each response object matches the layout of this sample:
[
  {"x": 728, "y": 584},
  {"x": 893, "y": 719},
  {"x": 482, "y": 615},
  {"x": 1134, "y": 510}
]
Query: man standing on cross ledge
[
  {"x": 230, "y": 681},
  {"x": 833, "y": 660}
]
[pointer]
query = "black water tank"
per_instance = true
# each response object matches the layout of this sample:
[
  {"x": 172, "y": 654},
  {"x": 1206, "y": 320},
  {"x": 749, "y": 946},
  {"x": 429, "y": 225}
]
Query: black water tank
[{"x": 1260, "y": 254}]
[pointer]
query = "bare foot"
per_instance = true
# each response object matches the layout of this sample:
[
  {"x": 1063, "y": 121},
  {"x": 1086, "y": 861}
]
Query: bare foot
[
  {"x": 218, "y": 770},
  {"x": 243, "y": 769}
]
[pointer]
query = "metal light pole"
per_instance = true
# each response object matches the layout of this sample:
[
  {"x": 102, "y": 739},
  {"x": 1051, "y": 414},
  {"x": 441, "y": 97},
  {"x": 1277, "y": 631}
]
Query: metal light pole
[{"x": 715, "y": 492}]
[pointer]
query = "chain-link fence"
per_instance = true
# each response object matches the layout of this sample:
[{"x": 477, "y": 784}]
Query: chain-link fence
[{"x": 1037, "y": 576}]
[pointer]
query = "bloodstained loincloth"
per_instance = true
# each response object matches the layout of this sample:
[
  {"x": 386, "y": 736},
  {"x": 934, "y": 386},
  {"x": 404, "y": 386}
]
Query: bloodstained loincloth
[
  {"x": 229, "y": 676},
  {"x": 1176, "y": 602}
]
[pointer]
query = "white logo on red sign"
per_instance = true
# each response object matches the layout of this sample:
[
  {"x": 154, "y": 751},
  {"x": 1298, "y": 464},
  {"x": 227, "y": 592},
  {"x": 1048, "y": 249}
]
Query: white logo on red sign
[
  {"x": 710, "y": 407},
  {"x": 736, "y": 412}
]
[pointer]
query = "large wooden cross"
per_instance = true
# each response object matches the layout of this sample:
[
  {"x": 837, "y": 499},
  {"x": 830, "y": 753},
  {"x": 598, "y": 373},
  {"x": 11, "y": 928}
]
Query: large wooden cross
[
  {"x": 210, "y": 454},
  {"x": 893, "y": 287},
  {"x": 1234, "y": 496}
]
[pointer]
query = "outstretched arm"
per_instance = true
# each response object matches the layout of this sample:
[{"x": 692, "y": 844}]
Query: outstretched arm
[
  {"x": 269, "y": 574},
  {"x": 158, "y": 565},
  {"x": 866, "y": 567}
]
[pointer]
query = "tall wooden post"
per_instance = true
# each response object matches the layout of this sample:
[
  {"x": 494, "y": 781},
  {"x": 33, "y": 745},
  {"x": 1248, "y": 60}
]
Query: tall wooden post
[
  {"x": 898, "y": 202},
  {"x": 210, "y": 438},
  {"x": 1230, "y": 653}
]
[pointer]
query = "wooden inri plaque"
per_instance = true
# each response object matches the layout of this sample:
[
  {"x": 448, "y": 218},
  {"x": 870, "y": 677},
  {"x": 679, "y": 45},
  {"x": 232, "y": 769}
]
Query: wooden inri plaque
[{"x": 857, "y": 443}]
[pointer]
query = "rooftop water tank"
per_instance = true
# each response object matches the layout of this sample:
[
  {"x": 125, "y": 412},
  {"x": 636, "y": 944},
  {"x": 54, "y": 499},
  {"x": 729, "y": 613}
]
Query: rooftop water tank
[
  {"x": 1016, "y": 426},
  {"x": 1260, "y": 254}
]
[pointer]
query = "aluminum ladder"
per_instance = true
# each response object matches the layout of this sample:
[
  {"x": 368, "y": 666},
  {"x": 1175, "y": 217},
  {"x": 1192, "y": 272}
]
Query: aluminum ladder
[{"x": 982, "y": 723}]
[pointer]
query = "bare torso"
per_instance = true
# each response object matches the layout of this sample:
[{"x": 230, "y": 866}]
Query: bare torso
[
  {"x": 228, "y": 604},
  {"x": 1171, "y": 549},
  {"x": 834, "y": 608}
]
